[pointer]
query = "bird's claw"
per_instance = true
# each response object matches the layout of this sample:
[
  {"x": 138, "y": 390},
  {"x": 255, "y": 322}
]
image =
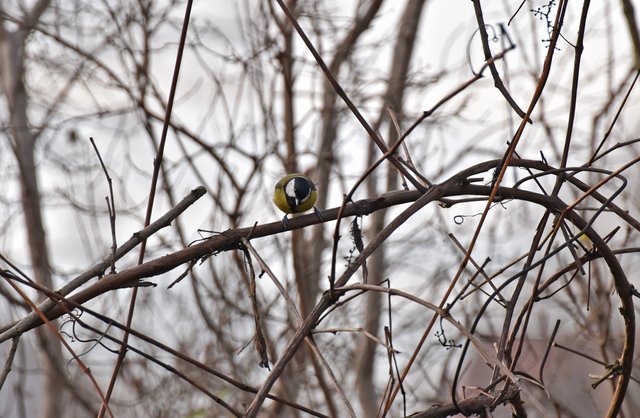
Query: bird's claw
[{"x": 318, "y": 212}]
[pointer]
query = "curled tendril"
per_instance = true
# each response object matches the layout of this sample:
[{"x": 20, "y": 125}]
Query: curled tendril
[
  {"x": 73, "y": 319},
  {"x": 459, "y": 219},
  {"x": 70, "y": 319},
  {"x": 443, "y": 340},
  {"x": 496, "y": 35}
]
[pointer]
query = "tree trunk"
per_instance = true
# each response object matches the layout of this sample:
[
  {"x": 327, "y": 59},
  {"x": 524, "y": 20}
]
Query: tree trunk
[
  {"x": 23, "y": 142},
  {"x": 403, "y": 52}
]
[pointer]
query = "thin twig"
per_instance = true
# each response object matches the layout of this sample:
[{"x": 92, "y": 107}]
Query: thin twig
[
  {"x": 552, "y": 337},
  {"x": 157, "y": 162},
  {"x": 9, "y": 361},
  {"x": 259, "y": 340},
  {"x": 615, "y": 119},
  {"x": 111, "y": 206},
  {"x": 484, "y": 36}
]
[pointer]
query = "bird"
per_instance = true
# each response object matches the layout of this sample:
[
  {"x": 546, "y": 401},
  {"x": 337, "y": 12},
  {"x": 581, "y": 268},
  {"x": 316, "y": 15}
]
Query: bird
[{"x": 295, "y": 193}]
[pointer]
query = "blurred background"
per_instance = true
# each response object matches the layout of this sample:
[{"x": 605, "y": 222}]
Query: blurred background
[{"x": 253, "y": 104}]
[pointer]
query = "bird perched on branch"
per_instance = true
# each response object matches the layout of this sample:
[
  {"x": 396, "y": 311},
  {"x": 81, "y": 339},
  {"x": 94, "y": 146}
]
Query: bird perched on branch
[{"x": 295, "y": 193}]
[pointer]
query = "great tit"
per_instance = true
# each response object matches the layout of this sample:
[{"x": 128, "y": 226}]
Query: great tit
[{"x": 295, "y": 193}]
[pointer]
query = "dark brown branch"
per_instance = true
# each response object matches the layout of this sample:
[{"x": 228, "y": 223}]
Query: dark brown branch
[
  {"x": 632, "y": 25},
  {"x": 579, "y": 48},
  {"x": 478, "y": 405},
  {"x": 492, "y": 66}
]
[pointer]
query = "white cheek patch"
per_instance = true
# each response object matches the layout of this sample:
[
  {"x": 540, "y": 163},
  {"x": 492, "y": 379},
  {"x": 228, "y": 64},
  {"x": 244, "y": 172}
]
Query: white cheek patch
[{"x": 290, "y": 188}]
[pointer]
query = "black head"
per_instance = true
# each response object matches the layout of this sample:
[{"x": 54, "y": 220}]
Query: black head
[{"x": 297, "y": 190}]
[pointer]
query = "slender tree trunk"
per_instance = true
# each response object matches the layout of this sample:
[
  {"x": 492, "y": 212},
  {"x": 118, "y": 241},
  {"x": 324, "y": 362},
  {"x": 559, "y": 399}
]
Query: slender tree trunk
[
  {"x": 403, "y": 52},
  {"x": 23, "y": 141},
  {"x": 329, "y": 128}
]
